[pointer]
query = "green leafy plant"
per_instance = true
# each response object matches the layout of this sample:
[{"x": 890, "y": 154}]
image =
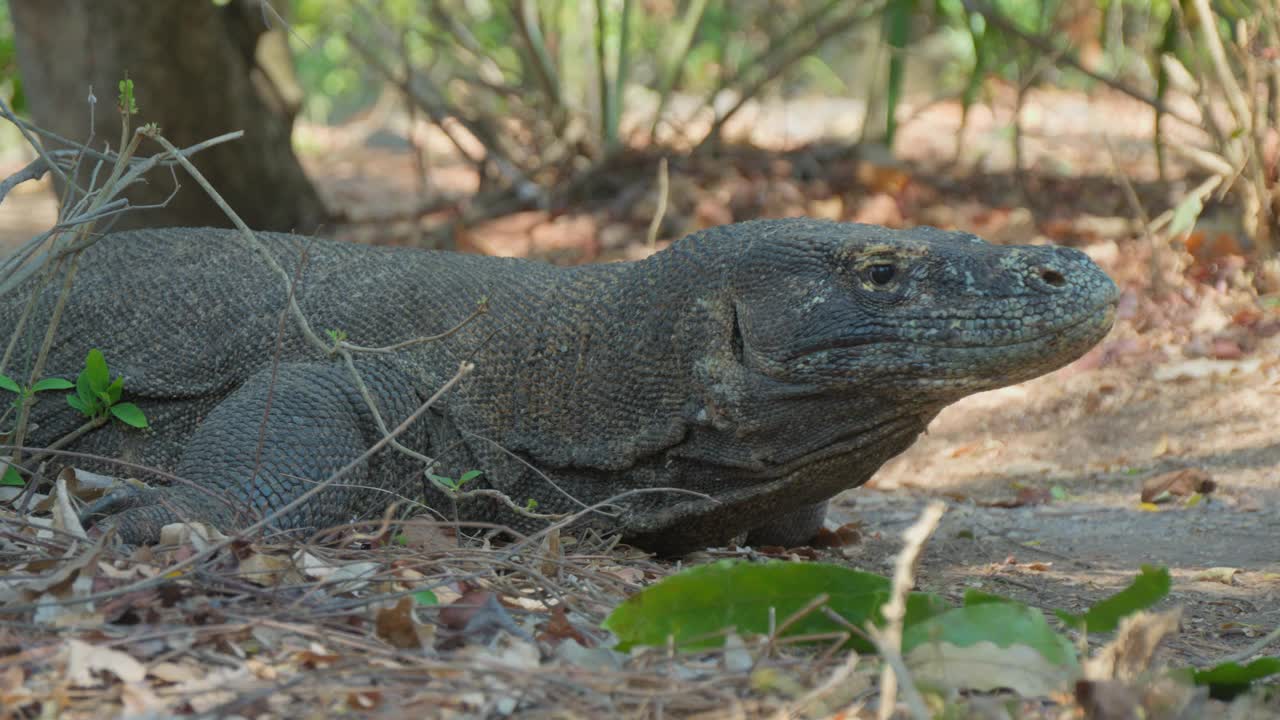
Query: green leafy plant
[
  {"x": 1146, "y": 590},
  {"x": 11, "y": 476},
  {"x": 988, "y": 632},
  {"x": 455, "y": 484},
  {"x": 1229, "y": 679},
  {"x": 1002, "y": 622},
  {"x": 127, "y": 103},
  {"x": 97, "y": 396},
  {"x": 54, "y": 383},
  {"x": 693, "y": 605}
]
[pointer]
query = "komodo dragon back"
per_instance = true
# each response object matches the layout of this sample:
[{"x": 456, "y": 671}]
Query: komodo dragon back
[{"x": 726, "y": 386}]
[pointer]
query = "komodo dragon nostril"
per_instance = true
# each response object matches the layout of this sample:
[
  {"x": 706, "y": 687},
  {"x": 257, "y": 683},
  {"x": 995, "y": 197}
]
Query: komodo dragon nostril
[{"x": 1053, "y": 277}]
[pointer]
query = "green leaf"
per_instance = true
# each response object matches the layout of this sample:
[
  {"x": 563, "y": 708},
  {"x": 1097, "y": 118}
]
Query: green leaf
[
  {"x": 1146, "y": 590},
  {"x": 7, "y": 383},
  {"x": 115, "y": 390},
  {"x": 84, "y": 391},
  {"x": 425, "y": 597},
  {"x": 693, "y": 604},
  {"x": 129, "y": 414},
  {"x": 95, "y": 367},
  {"x": 126, "y": 102},
  {"x": 1230, "y": 679},
  {"x": 444, "y": 481},
  {"x": 75, "y": 402},
  {"x": 11, "y": 477},
  {"x": 468, "y": 476},
  {"x": 1004, "y": 624},
  {"x": 1185, "y": 215},
  {"x": 52, "y": 383}
]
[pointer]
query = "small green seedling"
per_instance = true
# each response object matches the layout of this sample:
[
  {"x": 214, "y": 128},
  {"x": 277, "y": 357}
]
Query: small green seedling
[
  {"x": 97, "y": 396},
  {"x": 336, "y": 336},
  {"x": 126, "y": 100},
  {"x": 53, "y": 383},
  {"x": 10, "y": 476},
  {"x": 455, "y": 484}
]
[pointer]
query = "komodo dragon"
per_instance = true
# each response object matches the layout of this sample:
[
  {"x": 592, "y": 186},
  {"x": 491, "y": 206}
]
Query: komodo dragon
[{"x": 738, "y": 379}]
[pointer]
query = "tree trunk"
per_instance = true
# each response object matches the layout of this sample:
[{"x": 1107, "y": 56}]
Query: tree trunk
[{"x": 199, "y": 70}]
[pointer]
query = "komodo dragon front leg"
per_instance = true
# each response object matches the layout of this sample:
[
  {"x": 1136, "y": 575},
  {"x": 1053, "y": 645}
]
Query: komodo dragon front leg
[{"x": 269, "y": 442}]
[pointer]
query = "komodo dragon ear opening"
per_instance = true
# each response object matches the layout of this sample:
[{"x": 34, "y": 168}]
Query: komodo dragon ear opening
[{"x": 736, "y": 343}]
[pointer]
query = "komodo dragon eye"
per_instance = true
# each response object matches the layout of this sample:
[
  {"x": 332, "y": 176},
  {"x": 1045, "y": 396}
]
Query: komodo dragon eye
[{"x": 882, "y": 273}]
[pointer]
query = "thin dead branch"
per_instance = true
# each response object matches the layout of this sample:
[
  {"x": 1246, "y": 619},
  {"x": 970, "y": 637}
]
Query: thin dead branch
[{"x": 888, "y": 639}]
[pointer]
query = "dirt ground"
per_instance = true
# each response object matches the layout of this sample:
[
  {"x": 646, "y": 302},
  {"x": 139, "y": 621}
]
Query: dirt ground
[
  {"x": 1042, "y": 480},
  {"x": 1095, "y": 435}
]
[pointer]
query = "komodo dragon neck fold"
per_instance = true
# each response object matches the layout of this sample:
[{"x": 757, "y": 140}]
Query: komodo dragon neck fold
[{"x": 738, "y": 379}]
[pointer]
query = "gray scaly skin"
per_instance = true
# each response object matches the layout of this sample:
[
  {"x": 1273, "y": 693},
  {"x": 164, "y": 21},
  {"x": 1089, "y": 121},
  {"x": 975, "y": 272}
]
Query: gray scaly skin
[{"x": 752, "y": 370}]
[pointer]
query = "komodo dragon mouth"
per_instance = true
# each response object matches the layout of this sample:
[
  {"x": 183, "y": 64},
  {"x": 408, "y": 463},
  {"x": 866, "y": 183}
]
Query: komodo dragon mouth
[{"x": 1089, "y": 326}]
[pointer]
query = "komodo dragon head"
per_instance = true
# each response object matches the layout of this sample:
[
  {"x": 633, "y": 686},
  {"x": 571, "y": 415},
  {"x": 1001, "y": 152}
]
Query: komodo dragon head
[{"x": 835, "y": 345}]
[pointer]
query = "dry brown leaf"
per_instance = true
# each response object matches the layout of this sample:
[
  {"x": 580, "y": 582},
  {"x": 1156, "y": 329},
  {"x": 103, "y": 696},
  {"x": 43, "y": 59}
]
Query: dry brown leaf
[
  {"x": 266, "y": 671},
  {"x": 1224, "y": 575},
  {"x": 364, "y": 700},
  {"x": 1204, "y": 367},
  {"x": 843, "y": 536},
  {"x": 1225, "y": 349},
  {"x": 128, "y": 573},
  {"x": 427, "y": 537},
  {"x": 205, "y": 693},
  {"x": 14, "y": 692},
  {"x": 552, "y": 553},
  {"x": 986, "y": 666},
  {"x": 1108, "y": 700},
  {"x": 396, "y": 626},
  {"x": 1130, "y": 652},
  {"x": 200, "y": 536},
  {"x": 268, "y": 570},
  {"x": 631, "y": 575},
  {"x": 340, "y": 578},
  {"x": 1162, "y": 446},
  {"x": 558, "y": 629},
  {"x": 1026, "y": 496},
  {"x": 138, "y": 700},
  {"x": 1179, "y": 483},
  {"x": 173, "y": 672},
  {"x": 65, "y": 517},
  {"x": 81, "y": 485},
  {"x": 85, "y": 661},
  {"x": 315, "y": 656},
  {"x": 457, "y": 614}
]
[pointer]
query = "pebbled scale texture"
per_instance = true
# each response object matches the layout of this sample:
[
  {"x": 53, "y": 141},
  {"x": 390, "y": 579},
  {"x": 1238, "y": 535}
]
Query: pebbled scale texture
[{"x": 738, "y": 379}]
